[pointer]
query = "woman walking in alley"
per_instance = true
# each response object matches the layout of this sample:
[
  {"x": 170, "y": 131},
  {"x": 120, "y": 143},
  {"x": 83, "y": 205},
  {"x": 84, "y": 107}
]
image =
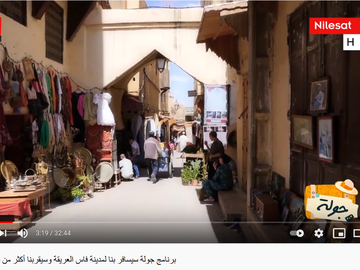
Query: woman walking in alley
[{"x": 222, "y": 181}]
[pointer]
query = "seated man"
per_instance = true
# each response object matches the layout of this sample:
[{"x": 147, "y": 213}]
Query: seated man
[
  {"x": 126, "y": 168},
  {"x": 222, "y": 181}
]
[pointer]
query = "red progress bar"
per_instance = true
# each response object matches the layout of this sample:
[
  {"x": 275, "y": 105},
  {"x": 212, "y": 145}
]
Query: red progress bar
[{"x": 6, "y": 221}]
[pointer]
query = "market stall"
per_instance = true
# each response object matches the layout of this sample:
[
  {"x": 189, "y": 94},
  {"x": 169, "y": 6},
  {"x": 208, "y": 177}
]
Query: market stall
[{"x": 56, "y": 137}]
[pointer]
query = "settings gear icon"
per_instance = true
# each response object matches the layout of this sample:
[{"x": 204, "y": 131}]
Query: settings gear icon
[{"x": 318, "y": 233}]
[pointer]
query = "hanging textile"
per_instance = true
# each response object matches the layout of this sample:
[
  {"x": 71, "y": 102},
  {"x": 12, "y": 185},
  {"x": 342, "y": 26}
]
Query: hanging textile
[
  {"x": 105, "y": 117},
  {"x": 90, "y": 108},
  {"x": 20, "y": 77},
  {"x": 60, "y": 92},
  {"x": 5, "y": 138},
  {"x": 53, "y": 90},
  {"x": 79, "y": 123},
  {"x": 99, "y": 138},
  {"x": 50, "y": 92},
  {"x": 45, "y": 88},
  {"x": 52, "y": 139},
  {"x": 29, "y": 72},
  {"x": 136, "y": 124},
  {"x": 44, "y": 134},
  {"x": 64, "y": 101},
  {"x": 80, "y": 106},
  {"x": 156, "y": 120},
  {"x": 69, "y": 95},
  {"x": 34, "y": 133}
]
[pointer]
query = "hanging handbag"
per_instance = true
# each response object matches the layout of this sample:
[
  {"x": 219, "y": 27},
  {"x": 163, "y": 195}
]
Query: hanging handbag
[
  {"x": 29, "y": 72},
  {"x": 7, "y": 64},
  {"x": 15, "y": 101},
  {"x": 15, "y": 85},
  {"x": 20, "y": 77},
  {"x": 32, "y": 101},
  {"x": 35, "y": 82}
]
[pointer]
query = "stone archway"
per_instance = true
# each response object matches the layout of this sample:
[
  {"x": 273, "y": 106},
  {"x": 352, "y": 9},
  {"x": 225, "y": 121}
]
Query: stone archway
[{"x": 116, "y": 41}]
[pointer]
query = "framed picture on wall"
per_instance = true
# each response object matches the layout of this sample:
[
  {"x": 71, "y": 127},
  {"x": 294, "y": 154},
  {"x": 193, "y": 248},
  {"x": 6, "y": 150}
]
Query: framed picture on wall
[
  {"x": 325, "y": 138},
  {"x": 302, "y": 131},
  {"x": 319, "y": 95}
]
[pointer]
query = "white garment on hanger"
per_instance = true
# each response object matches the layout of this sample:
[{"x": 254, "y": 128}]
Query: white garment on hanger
[
  {"x": 105, "y": 117},
  {"x": 152, "y": 125},
  {"x": 60, "y": 91}
]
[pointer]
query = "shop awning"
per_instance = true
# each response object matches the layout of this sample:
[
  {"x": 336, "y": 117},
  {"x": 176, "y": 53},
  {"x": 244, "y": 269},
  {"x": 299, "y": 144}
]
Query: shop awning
[
  {"x": 163, "y": 121},
  {"x": 177, "y": 128},
  {"x": 131, "y": 104},
  {"x": 219, "y": 29},
  {"x": 172, "y": 122}
]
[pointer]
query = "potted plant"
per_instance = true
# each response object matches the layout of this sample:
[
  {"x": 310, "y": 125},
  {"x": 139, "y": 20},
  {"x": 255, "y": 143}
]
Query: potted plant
[
  {"x": 195, "y": 165},
  {"x": 63, "y": 194},
  {"x": 186, "y": 175},
  {"x": 85, "y": 181},
  {"x": 77, "y": 193},
  {"x": 204, "y": 173}
]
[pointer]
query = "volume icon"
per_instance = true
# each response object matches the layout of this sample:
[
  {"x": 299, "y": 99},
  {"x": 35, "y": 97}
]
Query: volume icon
[{"x": 23, "y": 233}]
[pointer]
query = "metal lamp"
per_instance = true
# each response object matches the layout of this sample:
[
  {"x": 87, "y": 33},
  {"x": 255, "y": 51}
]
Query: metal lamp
[
  {"x": 176, "y": 106},
  {"x": 160, "y": 63}
]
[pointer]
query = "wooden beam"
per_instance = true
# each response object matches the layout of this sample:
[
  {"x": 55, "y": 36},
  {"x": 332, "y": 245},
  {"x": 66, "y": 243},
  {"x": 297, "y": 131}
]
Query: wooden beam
[
  {"x": 219, "y": 31},
  {"x": 77, "y": 13},
  {"x": 39, "y": 8}
]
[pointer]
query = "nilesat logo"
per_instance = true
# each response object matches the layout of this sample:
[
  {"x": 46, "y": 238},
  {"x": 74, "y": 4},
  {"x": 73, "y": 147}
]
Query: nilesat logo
[{"x": 331, "y": 202}]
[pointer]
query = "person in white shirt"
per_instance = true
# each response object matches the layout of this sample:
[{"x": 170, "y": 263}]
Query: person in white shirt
[
  {"x": 126, "y": 168},
  {"x": 183, "y": 140},
  {"x": 135, "y": 156}
]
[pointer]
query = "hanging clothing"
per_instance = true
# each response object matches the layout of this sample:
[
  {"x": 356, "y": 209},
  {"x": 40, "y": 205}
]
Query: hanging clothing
[
  {"x": 43, "y": 81},
  {"x": 53, "y": 90},
  {"x": 34, "y": 132},
  {"x": 52, "y": 139},
  {"x": 50, "y": 92},
  {"x": 20, "y": 76},
  {"x": 136, "y": 125},
  {"x": 105, "y": 116},
  {"x": 64, "y": 101},
  {"x": 80, "y": 106},
  {"x": 90, "y": 108},
  {"x": 44, "y": 134},
  {"x": 69, "y": 93},
  {"x": 79, "y": 123},
  {"x": 60, "y": 92},
  {"x": 156, "y": 120},
  {"x": 5, "y": 138}
]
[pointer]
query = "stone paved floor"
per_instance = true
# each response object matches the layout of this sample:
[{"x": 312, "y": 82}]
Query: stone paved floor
[{"x": 137, "y": 211}]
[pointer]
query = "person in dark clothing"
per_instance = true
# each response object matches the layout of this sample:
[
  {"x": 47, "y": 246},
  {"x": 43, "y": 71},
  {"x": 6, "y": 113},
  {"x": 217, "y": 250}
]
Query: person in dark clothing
[
  {"x": 216, "y": 151},
  {"x": 222, "y": 180}
]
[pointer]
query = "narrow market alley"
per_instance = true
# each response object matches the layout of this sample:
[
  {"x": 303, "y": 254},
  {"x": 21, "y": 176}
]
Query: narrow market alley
[{"x": 136, "y": 211}]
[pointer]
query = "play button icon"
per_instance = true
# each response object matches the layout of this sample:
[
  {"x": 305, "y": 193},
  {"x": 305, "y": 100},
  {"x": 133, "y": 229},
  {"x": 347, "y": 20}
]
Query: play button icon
[{"x": 3, "y": 233}]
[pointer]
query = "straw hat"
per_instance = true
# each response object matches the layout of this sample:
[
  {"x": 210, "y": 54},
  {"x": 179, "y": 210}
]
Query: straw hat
[{"x": 347, "y": 187}]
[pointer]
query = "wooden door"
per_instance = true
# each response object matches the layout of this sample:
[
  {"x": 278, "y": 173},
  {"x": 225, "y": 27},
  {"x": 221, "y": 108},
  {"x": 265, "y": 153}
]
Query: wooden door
[
  {"x": 313, "y": 58},
  {"x": 245, "y": 128}
]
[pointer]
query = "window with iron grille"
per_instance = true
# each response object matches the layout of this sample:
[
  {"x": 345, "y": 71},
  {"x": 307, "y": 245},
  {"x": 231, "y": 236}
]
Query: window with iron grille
[
  {"x": 15, "y": 10},
  {"x": 54, "y": 32}
]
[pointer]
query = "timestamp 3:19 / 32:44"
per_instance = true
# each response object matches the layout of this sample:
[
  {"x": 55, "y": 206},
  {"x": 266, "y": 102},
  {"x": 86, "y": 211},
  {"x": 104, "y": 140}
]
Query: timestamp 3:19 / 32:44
[{"x": 53, "y": 233}]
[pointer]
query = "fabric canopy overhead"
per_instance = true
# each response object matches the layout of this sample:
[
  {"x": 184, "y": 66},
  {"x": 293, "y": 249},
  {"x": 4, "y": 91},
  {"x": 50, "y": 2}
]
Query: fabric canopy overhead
[{"x": 177, "y": 128}]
